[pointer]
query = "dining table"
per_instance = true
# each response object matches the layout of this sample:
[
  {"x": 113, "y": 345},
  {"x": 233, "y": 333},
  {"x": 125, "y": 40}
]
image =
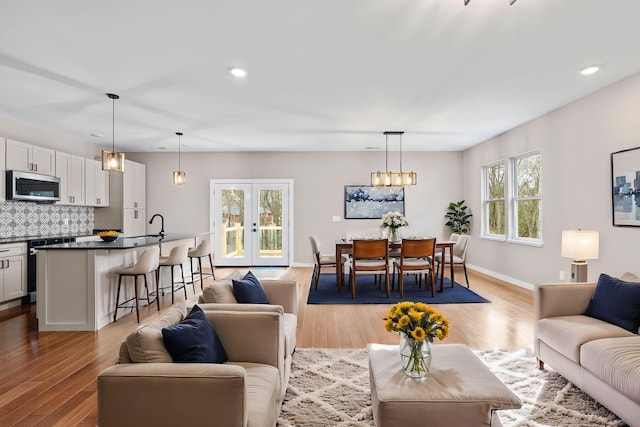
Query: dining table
[{"x": 344, "y": 246}]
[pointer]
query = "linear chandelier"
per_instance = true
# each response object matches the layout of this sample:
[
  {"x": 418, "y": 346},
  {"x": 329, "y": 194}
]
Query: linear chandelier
[
  {"x": 179, "y": 176},
  {"x": 112, "y": 160},
  {"x": 389, "y": 178}
]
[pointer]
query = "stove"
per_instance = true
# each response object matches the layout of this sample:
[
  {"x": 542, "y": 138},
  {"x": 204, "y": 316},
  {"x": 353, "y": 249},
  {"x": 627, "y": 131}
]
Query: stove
[{"x": 31, "y": 262}]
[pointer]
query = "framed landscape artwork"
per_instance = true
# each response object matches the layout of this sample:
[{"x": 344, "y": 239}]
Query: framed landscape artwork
[
  {"x": 625, "y": 180},
  {"x": 368, "y": 202}
]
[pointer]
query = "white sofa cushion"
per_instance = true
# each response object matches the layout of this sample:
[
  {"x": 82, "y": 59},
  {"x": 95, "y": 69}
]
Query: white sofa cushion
[
  {"x": 146, "y": 345},
  {"x": 566, "y": 334},
  {"x": 221, "y": 291},
  {"x": 615, "y": 361}
]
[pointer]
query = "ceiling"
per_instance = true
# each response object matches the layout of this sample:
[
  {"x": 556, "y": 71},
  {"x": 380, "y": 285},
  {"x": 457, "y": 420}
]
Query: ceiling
[{"x": 327, "y": 75}]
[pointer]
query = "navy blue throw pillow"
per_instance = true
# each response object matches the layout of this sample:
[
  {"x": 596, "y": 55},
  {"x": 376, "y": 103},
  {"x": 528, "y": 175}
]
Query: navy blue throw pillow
[
  {"x": 249, "y": 290},
  {"x": 616, "y": 301},
  {"x": 194, "y": 340}
]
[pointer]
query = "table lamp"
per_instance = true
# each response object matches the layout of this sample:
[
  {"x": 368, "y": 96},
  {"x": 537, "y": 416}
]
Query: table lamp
[{"x": 580, "y": 245}]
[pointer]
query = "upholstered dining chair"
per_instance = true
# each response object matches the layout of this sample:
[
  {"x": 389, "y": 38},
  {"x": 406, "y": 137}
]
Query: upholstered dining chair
[
  {"x": 459, "y": 255},
  {"x": 416, "y": 257},
  {"x": 371, "y": 257},
  {"x": 323, "y": 260}
]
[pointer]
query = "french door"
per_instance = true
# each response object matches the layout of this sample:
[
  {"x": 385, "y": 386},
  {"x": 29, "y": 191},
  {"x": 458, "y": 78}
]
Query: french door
[{"x": 251, "y": 222}]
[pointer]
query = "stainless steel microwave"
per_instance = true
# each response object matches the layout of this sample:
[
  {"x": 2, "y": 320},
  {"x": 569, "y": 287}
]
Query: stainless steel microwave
[{"x": 32, "y": 187}]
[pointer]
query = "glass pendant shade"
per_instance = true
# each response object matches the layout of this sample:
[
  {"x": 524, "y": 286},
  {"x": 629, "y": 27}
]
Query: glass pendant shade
[
  {"x": 389, "y": 178},
  {"x": 113, "y": 161},
  {"x": 179, "y": 176}
]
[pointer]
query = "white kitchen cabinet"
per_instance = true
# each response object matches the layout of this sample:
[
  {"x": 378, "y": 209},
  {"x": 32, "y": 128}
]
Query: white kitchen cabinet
[
  {"x": 135, "y": 222},
  {"x": 134, "y": 185},
  {"x": 126, "y": 210},
  {"x": 13, "y": 271},
  {"x": 70, "y": 169},
  {"x": 30, "y": 158},
  {"x": 3, "y": 175},
  {"x": 96, "y": 184}
]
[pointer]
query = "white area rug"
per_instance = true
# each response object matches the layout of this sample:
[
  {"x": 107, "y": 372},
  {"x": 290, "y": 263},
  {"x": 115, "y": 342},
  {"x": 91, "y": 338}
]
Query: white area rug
[{"x": 330, "y": 387}]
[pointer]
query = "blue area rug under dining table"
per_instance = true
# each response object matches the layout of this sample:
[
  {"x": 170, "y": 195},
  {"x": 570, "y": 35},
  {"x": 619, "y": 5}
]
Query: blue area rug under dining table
[{"x": 367, "y": 292}]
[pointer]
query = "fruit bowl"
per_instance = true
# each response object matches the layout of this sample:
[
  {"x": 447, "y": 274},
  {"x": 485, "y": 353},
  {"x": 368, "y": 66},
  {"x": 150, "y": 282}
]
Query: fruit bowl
[{"x": 109, "y": 236}]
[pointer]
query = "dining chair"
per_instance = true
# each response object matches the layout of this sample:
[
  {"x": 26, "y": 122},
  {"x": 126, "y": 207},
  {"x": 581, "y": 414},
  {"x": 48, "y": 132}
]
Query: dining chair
[
  {"x": 323, "y": 260},
  {"x": 416, "y": 257},
  {"x": 459, "y": 255},
  {"x": 372, "y": 257}
]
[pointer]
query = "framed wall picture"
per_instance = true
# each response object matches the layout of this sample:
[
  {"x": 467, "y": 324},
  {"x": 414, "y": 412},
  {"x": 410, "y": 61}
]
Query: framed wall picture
[
  {"x": 625, "y": 180},
  {"x": 367, "y": 202}
]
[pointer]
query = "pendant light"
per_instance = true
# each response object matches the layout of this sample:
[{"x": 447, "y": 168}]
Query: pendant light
[
  {"x": 389, "y": 178},
  {"x": 179, "y": 176},
  {"x": 112, "y": 160}
]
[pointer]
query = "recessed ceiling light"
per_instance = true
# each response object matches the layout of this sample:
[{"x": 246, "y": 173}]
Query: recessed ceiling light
[
  {"x": 238, "y": 72},
  {"x": 589, "y": 70},
  {"x": 97, "y": 135}
]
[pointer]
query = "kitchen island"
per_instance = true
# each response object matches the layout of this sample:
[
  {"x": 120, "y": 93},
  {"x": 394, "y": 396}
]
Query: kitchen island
[{"x": 76, "y": 284}]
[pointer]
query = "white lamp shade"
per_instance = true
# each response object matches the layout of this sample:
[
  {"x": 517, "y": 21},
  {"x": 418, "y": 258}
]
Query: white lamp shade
[{"x": 580, "y": 245}]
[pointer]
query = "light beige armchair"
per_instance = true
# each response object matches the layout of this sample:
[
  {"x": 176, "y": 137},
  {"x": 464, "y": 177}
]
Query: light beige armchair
[
  {"x": 283, "y": 299},
  {"x": 245, "y": 391}
]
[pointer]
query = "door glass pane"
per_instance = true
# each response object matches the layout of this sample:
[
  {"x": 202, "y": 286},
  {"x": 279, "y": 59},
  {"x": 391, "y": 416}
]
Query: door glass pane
[
  {"x": 232, "y": 230},
  {"x": 270, "y": 238}
]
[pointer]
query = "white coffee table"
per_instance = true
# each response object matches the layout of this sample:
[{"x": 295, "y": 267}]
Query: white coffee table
[{"x": 459, "y": 391}]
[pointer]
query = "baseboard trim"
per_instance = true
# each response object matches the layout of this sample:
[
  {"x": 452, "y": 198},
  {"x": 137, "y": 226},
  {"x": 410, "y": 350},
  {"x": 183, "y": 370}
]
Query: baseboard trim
[{"x": 501, "y": 277}]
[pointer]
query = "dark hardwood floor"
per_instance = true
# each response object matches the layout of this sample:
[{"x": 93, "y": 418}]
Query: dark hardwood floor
[{"x": 49, "y": 378}]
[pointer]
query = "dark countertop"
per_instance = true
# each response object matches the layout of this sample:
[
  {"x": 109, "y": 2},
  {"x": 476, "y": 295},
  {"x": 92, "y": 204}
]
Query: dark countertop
[
  {"x": 21, "y": 239},
  {"x": 123, "y": 242}
]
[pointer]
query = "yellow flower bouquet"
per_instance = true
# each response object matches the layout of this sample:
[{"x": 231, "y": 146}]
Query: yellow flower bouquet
[{"x": 418, "y": 325}]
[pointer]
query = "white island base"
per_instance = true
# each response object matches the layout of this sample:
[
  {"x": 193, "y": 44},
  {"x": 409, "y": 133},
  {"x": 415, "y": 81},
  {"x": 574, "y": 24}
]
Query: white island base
[{"x": 76, "y": 287}]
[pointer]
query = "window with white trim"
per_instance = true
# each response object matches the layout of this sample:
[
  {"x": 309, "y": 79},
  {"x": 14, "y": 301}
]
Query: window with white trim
[
  {"x": 494, "y": 223},
  {"x": 526, "y": 197}
]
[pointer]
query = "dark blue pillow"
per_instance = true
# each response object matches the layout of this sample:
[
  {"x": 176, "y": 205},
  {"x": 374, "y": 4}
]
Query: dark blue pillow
[
  {"x": 616, "y": 301},
  {"x": 249, "y": 290},
  {"x": 194, "y": 340}
]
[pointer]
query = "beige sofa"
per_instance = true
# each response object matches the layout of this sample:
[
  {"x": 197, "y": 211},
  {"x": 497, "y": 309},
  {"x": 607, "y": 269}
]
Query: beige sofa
[
  {"x": 600, "y": 358},
  {"x": 147, "y": 388}
]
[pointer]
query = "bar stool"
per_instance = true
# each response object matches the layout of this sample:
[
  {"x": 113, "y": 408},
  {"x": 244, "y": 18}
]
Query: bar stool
[
  {"x": 177, "y": 256},
  {"x": 202, "y": 250},
  {"x": 147, "y": 263}
]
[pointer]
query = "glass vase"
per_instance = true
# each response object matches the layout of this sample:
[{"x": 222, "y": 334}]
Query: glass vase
[
  {"x": 415, "y": 356},
  {"x": 395, "y": 235}
]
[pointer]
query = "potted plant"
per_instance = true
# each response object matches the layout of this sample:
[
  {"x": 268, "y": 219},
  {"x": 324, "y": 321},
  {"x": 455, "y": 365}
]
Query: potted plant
[{"x": 458, "y": 218}]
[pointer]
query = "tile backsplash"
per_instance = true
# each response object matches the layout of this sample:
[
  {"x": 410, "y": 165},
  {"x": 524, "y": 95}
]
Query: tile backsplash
[{"x": 20, "y": 219}]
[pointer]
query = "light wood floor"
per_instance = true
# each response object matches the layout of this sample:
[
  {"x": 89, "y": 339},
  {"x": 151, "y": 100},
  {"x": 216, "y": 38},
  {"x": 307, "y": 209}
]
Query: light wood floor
[{"x": 49, "y": 378}]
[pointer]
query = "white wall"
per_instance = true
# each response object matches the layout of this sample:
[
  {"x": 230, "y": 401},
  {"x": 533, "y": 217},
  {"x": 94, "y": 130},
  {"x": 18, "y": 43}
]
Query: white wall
[
  {"x": 576, "y": 142},
  {"x": 319, "y": 180}
]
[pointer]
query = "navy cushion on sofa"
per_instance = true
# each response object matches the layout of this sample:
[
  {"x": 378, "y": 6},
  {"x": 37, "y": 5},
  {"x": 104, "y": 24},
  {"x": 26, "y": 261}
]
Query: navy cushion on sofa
[
  {"x": 616, "y": 301},
  {"x": 193, "y": 340},
  {"x": 249, "y": 290}
]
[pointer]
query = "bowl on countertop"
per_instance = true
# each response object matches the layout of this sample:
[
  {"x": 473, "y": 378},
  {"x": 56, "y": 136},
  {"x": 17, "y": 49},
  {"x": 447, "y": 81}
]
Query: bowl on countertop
[{"x": 110, "y": 237}]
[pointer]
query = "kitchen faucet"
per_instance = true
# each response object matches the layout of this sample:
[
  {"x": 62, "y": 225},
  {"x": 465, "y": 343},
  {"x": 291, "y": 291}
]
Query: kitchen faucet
[{"x": 161, "y": 222}]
